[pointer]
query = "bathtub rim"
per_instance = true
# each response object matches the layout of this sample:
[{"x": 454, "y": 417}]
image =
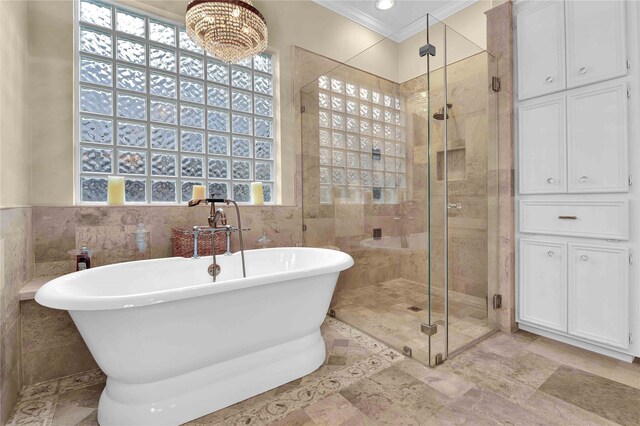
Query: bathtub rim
[{"x": 49, "y": 294}]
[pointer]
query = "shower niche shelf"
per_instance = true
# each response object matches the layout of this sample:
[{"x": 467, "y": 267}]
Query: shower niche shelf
[{"x": 456, "y": 164}]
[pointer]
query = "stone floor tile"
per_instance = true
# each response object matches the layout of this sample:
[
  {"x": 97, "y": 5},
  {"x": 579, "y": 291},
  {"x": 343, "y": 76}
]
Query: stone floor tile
[
  {"x": 332, "y": 410},
  {"x": 517, "y": 379},
  {"x": 70, "y": 415},
  {"x": 561, "y": 412},
  {"x": 597, "y": 364},
  {"x": 444, "y": 382},
  {"x": 606, "y": 398}
]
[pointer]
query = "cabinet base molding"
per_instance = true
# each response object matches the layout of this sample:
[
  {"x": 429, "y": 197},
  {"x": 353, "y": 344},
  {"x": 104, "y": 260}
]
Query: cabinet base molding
[{"x": 575, "y": 342}]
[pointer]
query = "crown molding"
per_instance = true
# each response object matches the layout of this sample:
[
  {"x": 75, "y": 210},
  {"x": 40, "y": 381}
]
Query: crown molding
[{"x": 345, "y": 9}]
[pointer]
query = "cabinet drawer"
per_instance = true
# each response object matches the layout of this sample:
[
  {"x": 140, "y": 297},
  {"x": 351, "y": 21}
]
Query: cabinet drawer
[{"x": 591, "y": 219}]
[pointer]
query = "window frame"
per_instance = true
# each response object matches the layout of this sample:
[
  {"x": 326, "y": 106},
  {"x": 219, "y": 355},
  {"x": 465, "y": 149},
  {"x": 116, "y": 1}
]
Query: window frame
[{"x": 177, "y": 126}]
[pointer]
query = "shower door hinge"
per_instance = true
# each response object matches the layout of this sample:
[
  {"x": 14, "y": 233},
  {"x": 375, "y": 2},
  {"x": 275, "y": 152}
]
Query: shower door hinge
[
  {"x": 429, "y": 329},
  {"x": 628, "y": 93},
  {"x": 303, "y": 109},
  {"x": 630, "y": 180},
  {"x": 628, "y": 62},
  {"x": 496, "y": 84},
  {"x": 427, "y": 49},
  {"x": 630, "y": 259},
  {"x": 497, "y": 301}
]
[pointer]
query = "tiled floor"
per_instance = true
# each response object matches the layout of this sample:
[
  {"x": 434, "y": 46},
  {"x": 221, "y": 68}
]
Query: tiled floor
[
  {"x": 517, "y": 379},
  {"x": 392, "y": 312}
]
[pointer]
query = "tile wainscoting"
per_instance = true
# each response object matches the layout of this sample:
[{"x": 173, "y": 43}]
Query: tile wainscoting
[{"x": 16, "y": 268}]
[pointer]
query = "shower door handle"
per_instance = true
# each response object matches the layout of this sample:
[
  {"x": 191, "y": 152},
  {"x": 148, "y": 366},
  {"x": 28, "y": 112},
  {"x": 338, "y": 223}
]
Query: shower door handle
[{"x": 457, "y": 206}]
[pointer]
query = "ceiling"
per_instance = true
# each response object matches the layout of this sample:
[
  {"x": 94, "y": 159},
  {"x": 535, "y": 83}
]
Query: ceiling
[{"x": 400, "y": 22}]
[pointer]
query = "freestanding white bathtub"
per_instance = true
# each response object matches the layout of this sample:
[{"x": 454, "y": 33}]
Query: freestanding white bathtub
[{"x": 176, "y": 346}]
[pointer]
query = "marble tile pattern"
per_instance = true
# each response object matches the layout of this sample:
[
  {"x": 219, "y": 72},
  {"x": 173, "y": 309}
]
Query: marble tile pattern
[
  {"x": 364, "y": 382},
  {"x": 51, "y": 344},
  {"x": 16, "y": 268},
  {"x": 109, "y": 231}
]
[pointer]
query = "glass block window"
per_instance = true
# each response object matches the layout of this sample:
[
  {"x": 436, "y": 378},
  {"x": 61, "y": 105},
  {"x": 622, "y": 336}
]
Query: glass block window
[
  {"x": 153, "y": 107},
  {"x": 362, "y": 143}
]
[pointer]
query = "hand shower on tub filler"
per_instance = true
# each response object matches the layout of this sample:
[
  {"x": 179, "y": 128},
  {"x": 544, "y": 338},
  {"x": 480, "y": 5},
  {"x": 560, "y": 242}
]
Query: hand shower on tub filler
[{"x": 218, "y": 217}]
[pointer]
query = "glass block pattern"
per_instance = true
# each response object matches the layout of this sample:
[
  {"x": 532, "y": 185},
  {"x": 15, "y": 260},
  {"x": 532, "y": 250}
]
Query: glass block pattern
[
  {"x": 361, "y": 143},
  {"x": 153, "y": 107}
]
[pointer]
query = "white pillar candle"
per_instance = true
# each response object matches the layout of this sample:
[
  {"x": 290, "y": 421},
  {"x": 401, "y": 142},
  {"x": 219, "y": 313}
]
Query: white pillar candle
[
  {"x": 115, "y": 190},
  {"x": 198, "y": 192},
  {"x": 257, "y": 194}
]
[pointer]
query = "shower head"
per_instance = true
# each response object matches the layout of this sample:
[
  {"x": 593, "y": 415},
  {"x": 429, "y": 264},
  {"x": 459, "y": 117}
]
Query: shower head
[{"x": 440, "y": 114}]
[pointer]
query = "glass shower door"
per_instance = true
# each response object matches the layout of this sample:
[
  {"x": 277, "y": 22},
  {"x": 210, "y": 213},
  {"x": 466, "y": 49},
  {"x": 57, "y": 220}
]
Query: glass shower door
[{"x": 462, "y": 200}]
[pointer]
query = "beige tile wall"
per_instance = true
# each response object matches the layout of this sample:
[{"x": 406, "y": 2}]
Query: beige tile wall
[
  {"x": 500, "y": 45},
  {"x": 16, "y": 268},
  {"x": 109, "y": 231}
]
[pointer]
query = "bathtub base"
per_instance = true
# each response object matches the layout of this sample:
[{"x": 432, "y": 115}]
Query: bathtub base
[{"x": 189, "y": 396}]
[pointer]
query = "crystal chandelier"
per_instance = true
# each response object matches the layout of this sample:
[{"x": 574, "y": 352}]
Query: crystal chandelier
[{"x": 229, "y": 30}]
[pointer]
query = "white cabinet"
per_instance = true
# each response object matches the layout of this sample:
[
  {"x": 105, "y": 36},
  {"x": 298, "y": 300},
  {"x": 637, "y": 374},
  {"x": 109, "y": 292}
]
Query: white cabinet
[
  {"x": 579, "y": 290},
  {"x": 599, "y": 294},
  {"x": 577, "y": 147},
  {"x": 543, "y": 283},
  {"x": 540, "y": 49},
  {"x": 597, "y": 138},
  {"x": 596, "y": 41},
  {"x": 542, "y": 145}
]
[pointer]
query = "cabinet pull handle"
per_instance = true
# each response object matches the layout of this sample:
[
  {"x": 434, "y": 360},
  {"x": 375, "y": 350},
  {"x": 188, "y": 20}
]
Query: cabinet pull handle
[
  {"x": 550, "y": 253},
  {"x": 549, "y": 79},
  {"x": 550, "y": 180},
  {"x": 584, "y": 257},
  {"x": 568, "y": 217},
  {"x": 584, "y": 179},
  {"x": 582, "y": 70}
]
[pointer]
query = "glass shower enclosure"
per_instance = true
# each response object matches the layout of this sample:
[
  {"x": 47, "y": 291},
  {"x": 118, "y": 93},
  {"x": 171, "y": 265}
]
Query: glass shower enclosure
[{"x": 399, "y": 161}]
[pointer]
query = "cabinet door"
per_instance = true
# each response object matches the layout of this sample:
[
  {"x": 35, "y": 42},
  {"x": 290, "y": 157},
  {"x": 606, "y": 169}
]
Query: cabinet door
[
  {"x": 540, "y": 49},
  {"x": 599, "y": 294},
  {"x": 596, "y": 41},
  {"x": 543, "y": 284},
  {"x": 542, "y": 145},
  {"x": 597, "y": 138}
]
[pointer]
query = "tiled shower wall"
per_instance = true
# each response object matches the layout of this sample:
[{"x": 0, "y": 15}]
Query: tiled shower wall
[
  {"x": 16, "y": 268},
  {"x": 343, "y": 223},
  {"x": 347, "y": 225},
  {"x": 472, "y": 150}
]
